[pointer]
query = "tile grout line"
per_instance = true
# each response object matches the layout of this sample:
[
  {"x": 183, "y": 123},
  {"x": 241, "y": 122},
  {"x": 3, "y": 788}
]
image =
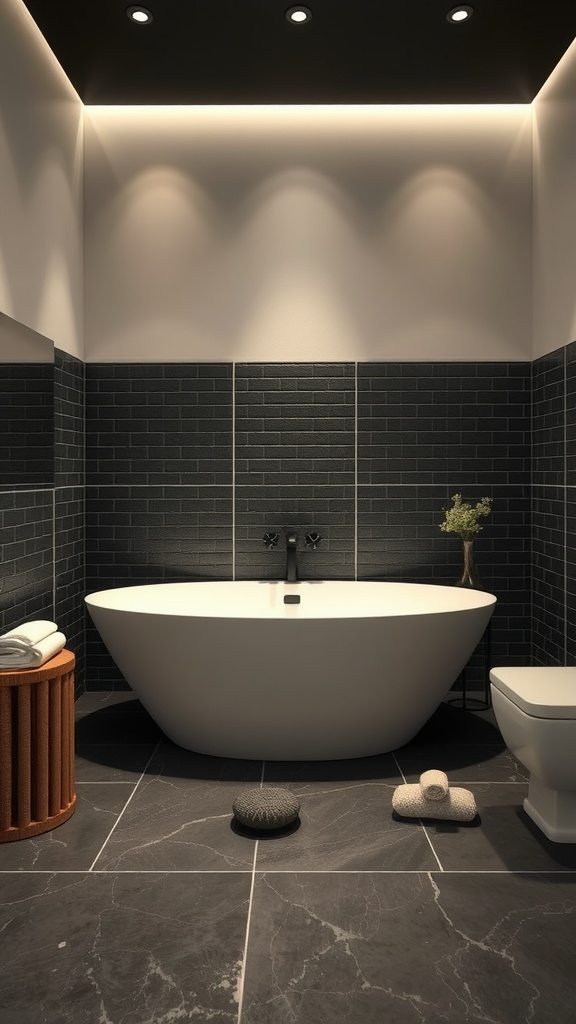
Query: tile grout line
[
  {"x": 248, "y": 920},
  {"x": 91, "y": 868},
  {"x": 246, "y": 939},
  {"x": 420, "y": 820},
  {"x": 105, "y": 782},
  {"x": 288, "y": 871}
]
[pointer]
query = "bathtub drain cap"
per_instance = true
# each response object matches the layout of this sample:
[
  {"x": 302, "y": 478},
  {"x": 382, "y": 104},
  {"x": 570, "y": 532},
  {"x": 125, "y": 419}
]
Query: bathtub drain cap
[{"x": 266, "y": 808}]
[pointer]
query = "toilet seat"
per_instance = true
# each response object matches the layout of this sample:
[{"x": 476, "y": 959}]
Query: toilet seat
[{"x": 542, "y": 692}]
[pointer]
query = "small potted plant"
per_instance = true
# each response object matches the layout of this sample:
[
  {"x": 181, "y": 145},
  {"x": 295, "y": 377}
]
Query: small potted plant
[{"x": 464, "y": 519}]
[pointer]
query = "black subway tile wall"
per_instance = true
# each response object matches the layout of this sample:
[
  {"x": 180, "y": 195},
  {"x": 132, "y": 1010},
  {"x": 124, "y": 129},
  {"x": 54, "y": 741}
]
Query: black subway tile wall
[
  {"x": 548, "y": 419},
  {"x": 26, "y": 556},
  {"x": 157, "y": 423},
  {"x": 548, "y": 574},
  {"x": 159, "y": 481},
  {"x": 549, "y": 493},
  {"x": 459, "y": 424},
  {"x": 69, "y": 507},
  {"x": 365, "y": 455},
  {"x": 189, "y": 465},
  {"x": 26, "y": 477},
  {"x": 26, "y": 425},
  {"x": 554, "y": 511},
  {"x": 42, "y": 521},
  {"x": 295, "y": 467},
  {"x": 425, "y": 432}
]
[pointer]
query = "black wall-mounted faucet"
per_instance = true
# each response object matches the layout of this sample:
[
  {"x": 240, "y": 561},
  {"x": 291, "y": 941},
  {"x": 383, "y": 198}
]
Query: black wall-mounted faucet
[{"x": 291, "y": 557}]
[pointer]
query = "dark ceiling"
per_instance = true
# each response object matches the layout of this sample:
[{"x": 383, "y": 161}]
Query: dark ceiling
[{"x": 351, "y": 51}]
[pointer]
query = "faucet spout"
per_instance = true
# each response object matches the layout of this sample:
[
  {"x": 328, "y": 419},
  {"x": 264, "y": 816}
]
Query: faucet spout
[{"x": 291, "y": 558}]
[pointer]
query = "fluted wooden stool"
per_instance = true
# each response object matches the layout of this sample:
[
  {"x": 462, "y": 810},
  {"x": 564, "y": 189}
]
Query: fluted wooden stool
[{"x": 36, "y": 748}]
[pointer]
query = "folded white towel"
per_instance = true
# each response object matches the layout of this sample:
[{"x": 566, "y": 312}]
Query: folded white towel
[
  {"x": 434, "y": 784},
  {"x": 457, "y": 805},
  {"x": 29, "y": 633},
  {"x": 21, "y": 655}
]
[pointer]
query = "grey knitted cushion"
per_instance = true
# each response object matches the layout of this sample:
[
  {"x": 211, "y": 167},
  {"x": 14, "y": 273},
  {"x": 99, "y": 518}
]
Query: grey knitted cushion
[{"x": 266, "y": 807}]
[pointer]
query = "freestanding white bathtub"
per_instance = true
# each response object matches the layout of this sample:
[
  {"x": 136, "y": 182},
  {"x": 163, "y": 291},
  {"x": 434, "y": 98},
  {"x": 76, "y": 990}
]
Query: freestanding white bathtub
[{"x": 230, "y": 669}]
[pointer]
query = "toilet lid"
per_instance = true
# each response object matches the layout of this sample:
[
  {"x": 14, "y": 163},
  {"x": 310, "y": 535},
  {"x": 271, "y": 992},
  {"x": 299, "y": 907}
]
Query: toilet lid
[{"x": 540, "y": 692}]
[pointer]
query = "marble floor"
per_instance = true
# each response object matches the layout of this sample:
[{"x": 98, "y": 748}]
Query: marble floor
[{"x": 149, "y": 907}]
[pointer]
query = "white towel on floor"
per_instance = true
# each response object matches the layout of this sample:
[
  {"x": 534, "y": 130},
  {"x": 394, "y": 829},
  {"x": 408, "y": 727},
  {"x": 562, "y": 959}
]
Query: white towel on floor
[
  {"x": 434, "y": 784},
  {"x": 457, "y": 805},
  {"x": 17, "y": 650}
]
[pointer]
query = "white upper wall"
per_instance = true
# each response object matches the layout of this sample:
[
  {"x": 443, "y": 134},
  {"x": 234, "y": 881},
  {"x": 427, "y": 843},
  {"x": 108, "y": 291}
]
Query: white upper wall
[
  {"x": 554, "y": 112},
  {"x": 40, "y": 185},
  {"x": 308, "y": 233}
]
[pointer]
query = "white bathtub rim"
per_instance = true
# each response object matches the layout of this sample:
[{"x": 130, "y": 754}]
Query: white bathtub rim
[{"x": 445, "y": 599}]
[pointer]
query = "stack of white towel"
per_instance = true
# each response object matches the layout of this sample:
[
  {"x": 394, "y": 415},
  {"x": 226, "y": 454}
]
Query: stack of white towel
[
  {"x": 433, "y": 797},
  {"x": 30, "y": 645}
]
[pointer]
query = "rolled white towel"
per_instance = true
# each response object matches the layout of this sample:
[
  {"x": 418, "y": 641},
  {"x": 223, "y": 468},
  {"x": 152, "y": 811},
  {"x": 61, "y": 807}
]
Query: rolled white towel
[
  {"x": 457, "y": 805},
  {"x": 27, "y": 656},
  {"x": 434, "y": 784},
  {"x": 28, "y": 634}
]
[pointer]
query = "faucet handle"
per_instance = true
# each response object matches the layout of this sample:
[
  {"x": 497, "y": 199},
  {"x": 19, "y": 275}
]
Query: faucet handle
[
  {"x": 271, "y": 540},
  {"x": 312, "y": 540}
]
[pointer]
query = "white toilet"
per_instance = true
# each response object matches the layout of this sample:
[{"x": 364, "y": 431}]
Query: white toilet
[{"x": 536, "y": 712}]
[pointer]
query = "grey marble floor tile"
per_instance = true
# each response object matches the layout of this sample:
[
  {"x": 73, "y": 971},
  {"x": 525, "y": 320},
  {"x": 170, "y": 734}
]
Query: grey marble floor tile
[
  {"x": 504, "y": 839},
  {"x": 112, "y": 762},
  {"x": 346, "y": 819},
  {"x": 450, "y": 724},
  {"x": 172, "y": 761},
  {"x": 78, "y": 949},
  {"x": 73, "y": 845},
  {"x": 462, "y": 763},
  {"x": 105, "y": 718},
  {"x": 409, "y": 949},
  {"x": 96, "y": 700},
  {"x": 181, "y": 816}
]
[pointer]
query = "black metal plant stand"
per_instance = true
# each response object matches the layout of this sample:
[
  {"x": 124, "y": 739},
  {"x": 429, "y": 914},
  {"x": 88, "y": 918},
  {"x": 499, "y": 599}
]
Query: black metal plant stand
[{"x": 464, "y": 702}]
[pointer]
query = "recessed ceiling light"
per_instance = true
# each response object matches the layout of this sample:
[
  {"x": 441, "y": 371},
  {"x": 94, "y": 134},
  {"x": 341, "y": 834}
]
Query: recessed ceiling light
[
  {"x": 459, "y": 14},
  {"x": 141, "y": 15},
  {"x": 298, "y": 15}
]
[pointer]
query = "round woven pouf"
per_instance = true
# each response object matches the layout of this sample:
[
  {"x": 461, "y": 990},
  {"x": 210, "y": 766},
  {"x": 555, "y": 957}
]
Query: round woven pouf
[{"x": 266, "y": 808}]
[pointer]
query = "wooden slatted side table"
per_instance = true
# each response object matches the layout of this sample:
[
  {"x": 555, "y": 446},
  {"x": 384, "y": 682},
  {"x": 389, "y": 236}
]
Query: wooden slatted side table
[{"x": 36, "y": 748}]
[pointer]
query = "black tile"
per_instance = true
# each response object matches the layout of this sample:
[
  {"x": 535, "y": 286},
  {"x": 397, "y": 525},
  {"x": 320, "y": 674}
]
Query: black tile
[
  {"x": 462, "y": 764},
  {"x": 112, "y": 718},
  {"x": 409, "y": 947},
  {"x": 180, "y": 816},
  {"x": 74, "y": 845},
  {"x": 548, "y": 418},
  {"x": 295, "y": 423},
  {"x": 159, "y": 423},
  {"x": 344, "y": 821},
  {"x": 88, "y": 947},
  {"x": 26, "y": 557},
  {"x": 444, "y": 423},
  {"x": 548, "y": 575},
  {"x": 69, "y": 419},
  {"x": 26, "y": 424},
  {"x": 502, "y": 838}
]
